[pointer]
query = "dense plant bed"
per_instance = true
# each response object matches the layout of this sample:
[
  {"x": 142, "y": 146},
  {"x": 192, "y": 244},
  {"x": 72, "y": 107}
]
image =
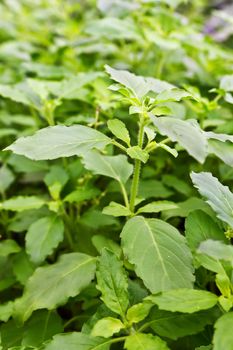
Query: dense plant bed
[{"x": 116, "y": 203}]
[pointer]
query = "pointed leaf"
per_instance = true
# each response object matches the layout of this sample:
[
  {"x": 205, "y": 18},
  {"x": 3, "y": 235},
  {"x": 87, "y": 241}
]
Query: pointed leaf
[
  {"x": 184, "y": 300},
  {"x": 136, "y": 152},
  {"x": 116, "y": 209},
  {"x": 159, "y": 252},
  {"x": 176, "y": 325},
  {"x": 140, "y": 341},
  {"x": 22, "y": 203},
  {"x": 59, "y": 141},
  {"x": 116, "y": 167},
  {"x": 218, "y": 196},
  {"x": 6, "y": 311},
  {"x": 186, "y": 132},
  {"x": 106, "y": 327},
  {"x": 47, "y": 287},
  {"x": 156, "y": 207},
  {"x": 170, "y": 150},
  {"x": 43, "y": 237},
  {"x": 172, "y": 95},
  {"x": 138, "y": 312},
  {"x": 217, "y": 250},
  {"x": 138, "y": 85},
  {"x": 118, "y": 128},
  {"x": 112, "y": 282}
]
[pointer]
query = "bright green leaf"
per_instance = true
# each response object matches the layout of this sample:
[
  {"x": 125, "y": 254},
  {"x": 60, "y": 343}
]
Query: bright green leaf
[
  {"x": 138, "y": 312},
  {"x": 106, "y": 327},
  {"x": 156, "y": 207},
  {"x": 118, "y": 128},
  {"x": 116, "y": 167},
  {"x": 6, "y": 311},
  {"x": 136, "y": 152},
  {"x": 43, "y": 237},
  {"x": 22, "y": 203},
  {"x": 223, "y": 335},
  {"x": 9, "y": 246},
  {"x": 140, "y": 341},
  {"x": 172, "y": 95},
  {"x": 116, "y": 209},
  {"x": 186, "y": 132},
  {"x": 184, "y": 300},
  {"x": 159, "y": 252},
  {"x": 138, "y": 85},
  {"x": 59, "y": 141},
  {"x": 112, "y": 282}
]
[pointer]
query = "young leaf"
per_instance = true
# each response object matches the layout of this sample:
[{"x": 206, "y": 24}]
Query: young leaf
[
  {"x": 47, "y": 287},
  {"x": 223, "y": 335},
  {"x": 172, "y": 95},
  {"x": 186, "y": 132},
  {"x": 59, "y": 141},
  {"x": 184, "y": 300},
  {"x": 55, "y": 179},
  {"x": 136, "y": 152},
  {"x": 159, "y": 252},
  {"x": 140, "y": 341},
  {"x": 112, "y": 282},
  {"x": 118, "y": 128},
  {"x": 116, "y": 209},
  {"x": 22, "y": 203},
  {"x": 218, "y": 196},
  {"x": 116, "y": 167},
  {"x": 222, "y": 150},
  {"x": 170, "y": 150},
  {"x": 43, "y": 237},
  {"x": 138, "y": 312},
  {"x": 77, "y": 341},
  {"x": 156, "y": 207},
  {"x": 106, "y": 327},
  {"x": 199, "y": 226},
  {"x": 139, "y": 86}
]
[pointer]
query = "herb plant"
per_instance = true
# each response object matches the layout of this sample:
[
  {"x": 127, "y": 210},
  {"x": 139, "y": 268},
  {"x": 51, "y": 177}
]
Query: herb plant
[{"x": 116, "y": 208}]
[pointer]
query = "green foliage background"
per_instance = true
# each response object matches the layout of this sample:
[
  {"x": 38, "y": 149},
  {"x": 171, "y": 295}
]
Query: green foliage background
[{"x": 116, "y": 203}]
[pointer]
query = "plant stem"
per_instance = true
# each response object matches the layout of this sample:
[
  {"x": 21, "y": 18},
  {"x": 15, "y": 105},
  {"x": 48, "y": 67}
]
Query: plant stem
[
  {"x": 137, "y": 168},
  {"x": 125, "y": 195}
]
